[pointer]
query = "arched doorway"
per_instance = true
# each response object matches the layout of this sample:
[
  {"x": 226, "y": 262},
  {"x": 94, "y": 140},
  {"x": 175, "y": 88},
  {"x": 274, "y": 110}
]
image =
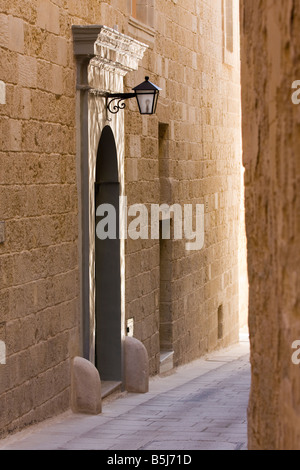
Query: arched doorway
[{"x": 108, "y": 352}]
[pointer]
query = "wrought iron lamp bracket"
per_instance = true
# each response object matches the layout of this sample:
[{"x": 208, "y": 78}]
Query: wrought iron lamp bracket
[
  {"x": 110, "y": 98},
  {"x": 119, "y": 100}
]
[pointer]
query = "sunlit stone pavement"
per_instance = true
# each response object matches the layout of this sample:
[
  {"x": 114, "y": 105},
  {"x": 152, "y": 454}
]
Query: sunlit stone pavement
[{"x": 202, "y": 406}]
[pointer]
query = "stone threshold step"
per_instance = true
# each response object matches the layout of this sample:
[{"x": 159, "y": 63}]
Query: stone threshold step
[
  {"x": 166, "y": 361},
  {"x": 108, "y": 387}
]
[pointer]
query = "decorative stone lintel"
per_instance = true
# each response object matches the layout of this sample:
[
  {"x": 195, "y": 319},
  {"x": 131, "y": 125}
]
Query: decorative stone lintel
[
  {"x": 114, "y": 50},
  {"x": 107, "y": 47}
]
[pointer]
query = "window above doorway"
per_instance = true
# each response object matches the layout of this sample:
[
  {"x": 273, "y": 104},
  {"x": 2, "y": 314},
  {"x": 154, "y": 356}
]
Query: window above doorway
[
  {"x": 142, "y": 19},
  {"x": 143, "y": 10}
]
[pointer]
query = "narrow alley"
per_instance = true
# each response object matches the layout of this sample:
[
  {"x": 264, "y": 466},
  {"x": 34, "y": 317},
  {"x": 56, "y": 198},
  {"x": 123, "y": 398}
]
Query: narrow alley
[{"x": 203, "y": 406}]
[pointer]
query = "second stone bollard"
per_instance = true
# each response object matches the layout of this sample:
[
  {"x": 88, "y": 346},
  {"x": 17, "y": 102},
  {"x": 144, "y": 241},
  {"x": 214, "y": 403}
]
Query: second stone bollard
[{"x": 136, "y": 365}]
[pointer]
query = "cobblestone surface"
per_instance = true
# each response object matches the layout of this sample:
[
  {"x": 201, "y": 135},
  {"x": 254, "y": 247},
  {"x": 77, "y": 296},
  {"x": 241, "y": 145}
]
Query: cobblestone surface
[{"x": 202, "y": 406}]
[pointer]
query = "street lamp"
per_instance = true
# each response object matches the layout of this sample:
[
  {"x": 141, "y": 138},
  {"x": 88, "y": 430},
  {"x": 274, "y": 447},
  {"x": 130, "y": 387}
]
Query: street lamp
[{"x": 146, "y": 95}]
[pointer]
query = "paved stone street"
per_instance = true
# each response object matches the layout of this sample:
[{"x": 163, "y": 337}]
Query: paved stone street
[{"x": 203, "y": 406}]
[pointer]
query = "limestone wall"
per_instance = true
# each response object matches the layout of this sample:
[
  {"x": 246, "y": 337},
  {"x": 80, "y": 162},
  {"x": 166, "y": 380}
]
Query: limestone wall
[
  {"x": 189, "y": 152},
  {"x": 271, "y": 140},
  {"x": 39, "y": 287}
]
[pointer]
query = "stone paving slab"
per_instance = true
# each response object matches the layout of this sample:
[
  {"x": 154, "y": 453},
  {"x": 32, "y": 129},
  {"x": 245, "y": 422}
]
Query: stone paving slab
[{"x": 202, "y": 406}]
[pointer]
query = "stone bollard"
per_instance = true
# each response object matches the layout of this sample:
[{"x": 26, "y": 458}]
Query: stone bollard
[
  {"x": 85, "y": 387},
  {"x": 136, "y": 366}
]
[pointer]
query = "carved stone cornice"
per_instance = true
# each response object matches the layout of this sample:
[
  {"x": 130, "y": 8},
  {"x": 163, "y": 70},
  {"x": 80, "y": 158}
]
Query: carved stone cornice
[
  {"x": 107, "y": 47},
  {"x": 114, "y": 50}
]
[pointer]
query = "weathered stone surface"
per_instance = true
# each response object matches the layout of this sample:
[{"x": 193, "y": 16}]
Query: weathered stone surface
[
  {"x": 187, "y": 153},
  {"x": 271, "y": 141},
  {"x": 86, "y": 387},
  {"x": 136, "y": 366}
]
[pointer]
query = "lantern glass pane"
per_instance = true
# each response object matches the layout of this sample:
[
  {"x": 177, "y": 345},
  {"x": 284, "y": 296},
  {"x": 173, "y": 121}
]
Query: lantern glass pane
[
  {"x": 155, "y": 102},
  {"x": 145, "y": 101}
]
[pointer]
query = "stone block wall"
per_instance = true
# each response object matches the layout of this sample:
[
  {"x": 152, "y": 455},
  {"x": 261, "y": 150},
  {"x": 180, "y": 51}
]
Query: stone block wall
[
  {"x": 39, "y": 270},
  {"x": 39, "y": 288},
  {"x": 271, "y": 141},
  {"x": 188, "y": 153}
]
